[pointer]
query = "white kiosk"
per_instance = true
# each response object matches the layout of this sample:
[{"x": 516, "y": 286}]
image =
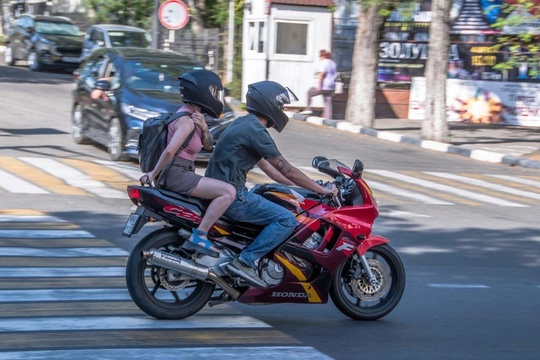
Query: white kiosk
[{"x": 281, "y": 42}]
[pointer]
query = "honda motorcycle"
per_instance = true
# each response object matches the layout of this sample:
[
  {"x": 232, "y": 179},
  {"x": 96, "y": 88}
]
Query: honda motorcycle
[{"x": 331, "y": 252}]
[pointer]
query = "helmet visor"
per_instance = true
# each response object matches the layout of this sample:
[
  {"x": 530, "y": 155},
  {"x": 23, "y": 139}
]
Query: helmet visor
[
  {"x": 217, "y": 92},
  {"x": 286, "y": 97}
]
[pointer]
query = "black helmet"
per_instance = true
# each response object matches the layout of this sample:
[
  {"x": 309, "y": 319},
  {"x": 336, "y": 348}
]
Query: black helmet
[
  {"x": 267, "y": 99},
  {"x": 203, "y": 88}
]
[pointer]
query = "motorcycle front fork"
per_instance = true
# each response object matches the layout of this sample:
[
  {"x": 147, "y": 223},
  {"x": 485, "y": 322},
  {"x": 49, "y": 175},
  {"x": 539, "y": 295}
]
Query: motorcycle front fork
[{"x": 365, "y": 265}]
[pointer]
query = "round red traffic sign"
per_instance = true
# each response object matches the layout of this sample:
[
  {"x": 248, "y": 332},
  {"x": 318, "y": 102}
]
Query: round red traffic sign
[{"x": 173, "y": 14}]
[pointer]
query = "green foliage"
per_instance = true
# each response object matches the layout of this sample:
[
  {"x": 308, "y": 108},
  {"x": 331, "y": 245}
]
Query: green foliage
[
  {"x": 134, "y": 12},
  {"x": 217, "y": 14},
  {"x": 518, "y": 48}
]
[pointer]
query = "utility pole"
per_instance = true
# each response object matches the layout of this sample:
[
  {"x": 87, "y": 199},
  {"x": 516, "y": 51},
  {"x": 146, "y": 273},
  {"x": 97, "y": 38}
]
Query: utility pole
[
  {"x": 230, "y": 47},
  {"x": 155, "y": 24}
]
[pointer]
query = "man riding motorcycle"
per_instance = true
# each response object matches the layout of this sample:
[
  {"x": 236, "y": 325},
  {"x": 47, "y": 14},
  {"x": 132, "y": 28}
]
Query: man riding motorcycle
[{"x": 244, "y": 144}]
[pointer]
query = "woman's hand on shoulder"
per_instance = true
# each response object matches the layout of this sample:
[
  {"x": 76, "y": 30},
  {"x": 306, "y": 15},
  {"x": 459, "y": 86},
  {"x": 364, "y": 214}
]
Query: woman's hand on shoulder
[{"x": 198, "y": 120}]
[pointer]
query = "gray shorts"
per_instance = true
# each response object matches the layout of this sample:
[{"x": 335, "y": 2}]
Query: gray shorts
[{"x": 181, "y": 177}]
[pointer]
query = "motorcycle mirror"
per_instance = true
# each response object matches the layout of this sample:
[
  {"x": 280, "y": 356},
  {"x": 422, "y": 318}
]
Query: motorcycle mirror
[
  {"x": 317, "y": 160},
  {"x": 358, "y": 168},
  {"x": 102, "y": 85}
]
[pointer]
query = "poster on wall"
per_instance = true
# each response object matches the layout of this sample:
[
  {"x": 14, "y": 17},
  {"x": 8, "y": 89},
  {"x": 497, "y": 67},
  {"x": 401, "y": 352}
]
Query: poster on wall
[
  {"x": 485, "y": 102},
  {"x": 403, "y": 50}
]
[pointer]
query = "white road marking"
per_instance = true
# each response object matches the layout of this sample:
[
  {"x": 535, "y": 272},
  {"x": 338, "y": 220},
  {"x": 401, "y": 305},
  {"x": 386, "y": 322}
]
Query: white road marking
[
  {"x": 445, "y": 188},
  {"x": 399, "y": 213},
  {"x": 486, "y": 184},
  {"x": 460, "y": 286},
  {"x": 104, "y": 323},
  {"x": 30, "y": 218},
  {"x": 408, "y": 194},
  {"x": 74, "y": 177},
  {"x": 130, "y": 171},
  {"x": 40, "y": 272},
  {"x": 63, "y": 252},
  {"x": 45, "y": 234},
  {"x": 15, "y": 184},
  {"x": 517, "y": 180},
  {"x": 203, "y": 353},
  {"x": 42, "y": 295},
  {"x": 422, "y": 250}
]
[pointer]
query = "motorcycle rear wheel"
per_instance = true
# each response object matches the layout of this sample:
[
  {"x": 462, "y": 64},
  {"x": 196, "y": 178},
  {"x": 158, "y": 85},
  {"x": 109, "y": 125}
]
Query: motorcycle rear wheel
[
  {"x": 357, "y": 297},
  {"x": 159, "y": 292}
]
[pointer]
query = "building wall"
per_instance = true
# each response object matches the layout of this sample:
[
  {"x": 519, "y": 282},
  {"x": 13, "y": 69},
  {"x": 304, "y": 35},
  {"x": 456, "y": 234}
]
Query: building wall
[{"x": 282, "y": 44}]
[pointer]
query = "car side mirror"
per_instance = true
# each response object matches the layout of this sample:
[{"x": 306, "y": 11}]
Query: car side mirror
[
  {"x": 104, "y": 85},
  {"x": 226, "y": 92}
]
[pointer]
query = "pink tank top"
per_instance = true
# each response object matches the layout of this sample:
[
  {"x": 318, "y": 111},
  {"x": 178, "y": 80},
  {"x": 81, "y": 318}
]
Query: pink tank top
[{"x": 195, "y": 145}]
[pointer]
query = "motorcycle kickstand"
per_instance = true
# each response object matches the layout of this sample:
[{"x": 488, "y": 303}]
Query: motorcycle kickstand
[{"x": 367, "y": 269}]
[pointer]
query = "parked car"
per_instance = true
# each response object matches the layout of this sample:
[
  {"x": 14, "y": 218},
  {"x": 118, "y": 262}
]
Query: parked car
[
  {"x": 139, "y": 84},
  {"x": 44, "y": 42},
  {"x": 110, "y": 35}
]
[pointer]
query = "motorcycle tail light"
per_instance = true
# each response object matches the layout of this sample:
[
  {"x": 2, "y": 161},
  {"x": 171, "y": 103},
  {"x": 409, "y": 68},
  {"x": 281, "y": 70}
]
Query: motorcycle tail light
[{"x": 134, "y": 194}]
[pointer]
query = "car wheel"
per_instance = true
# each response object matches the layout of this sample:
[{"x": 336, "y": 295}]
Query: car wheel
[
  {"x": 115, "y": 144},
  {"x": 77, "y": 120},
  {"x": 8, "y": 56},
  {"x": 33, "y": 61}
]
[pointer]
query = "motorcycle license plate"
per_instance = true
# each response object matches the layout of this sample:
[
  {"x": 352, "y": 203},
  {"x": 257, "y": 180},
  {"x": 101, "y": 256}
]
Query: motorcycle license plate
[{"x": 131, "y": 224}]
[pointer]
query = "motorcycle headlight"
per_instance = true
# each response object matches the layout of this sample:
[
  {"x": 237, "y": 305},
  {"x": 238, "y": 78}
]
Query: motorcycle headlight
[{"x": 139, "y": 113}]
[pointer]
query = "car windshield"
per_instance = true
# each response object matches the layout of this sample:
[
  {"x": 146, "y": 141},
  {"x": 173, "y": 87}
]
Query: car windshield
[
  {"x": 57, "y": 28},
  {"x": 132, "y": 39},
  {"x": 155, "y": 74}
]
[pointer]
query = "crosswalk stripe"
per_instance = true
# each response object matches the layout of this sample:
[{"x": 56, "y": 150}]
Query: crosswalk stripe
[
  {"x": 101, "y": 173},
  {"x": 36, "y": 176},
  {"x": 448, "y": 189},
  {"x": 74, "y": 177},
  {"x": 17, "y": 185},
  {"x": 39, "y": 295},
  {"x": 130, "y": 171},
  {"x": 29, "y": 218},
  {"x": 409, "y": 194},
  {"x": 222, "y": 353},
  {"x": 128, "y": 323},
  {"x": 63, "y": 252},
  {"x": 44, "y": 234},
  {"x": 486, "y": 184},
  {"x": 31, "y": 272},
  {"x": 517, "y": 180}
]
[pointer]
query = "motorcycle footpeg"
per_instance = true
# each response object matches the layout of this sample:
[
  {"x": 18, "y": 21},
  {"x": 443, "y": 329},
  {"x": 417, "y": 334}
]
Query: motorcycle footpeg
[{"x": 188, "y": 245}]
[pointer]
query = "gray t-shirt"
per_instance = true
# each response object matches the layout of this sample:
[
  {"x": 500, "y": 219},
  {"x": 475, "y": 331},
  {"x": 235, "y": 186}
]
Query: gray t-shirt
[{"x": 239, "y": 149}]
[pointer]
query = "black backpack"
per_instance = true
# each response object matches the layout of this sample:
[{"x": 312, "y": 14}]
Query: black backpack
[{"x": 153, "y": 140}]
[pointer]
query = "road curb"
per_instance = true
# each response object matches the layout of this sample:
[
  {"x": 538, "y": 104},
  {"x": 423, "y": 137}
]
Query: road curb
[{"x": 476, "y": 154}]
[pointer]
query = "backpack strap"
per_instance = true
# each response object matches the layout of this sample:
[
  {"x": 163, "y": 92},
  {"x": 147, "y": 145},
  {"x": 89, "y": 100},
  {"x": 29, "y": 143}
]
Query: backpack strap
[{"x": 164, "y": 172}]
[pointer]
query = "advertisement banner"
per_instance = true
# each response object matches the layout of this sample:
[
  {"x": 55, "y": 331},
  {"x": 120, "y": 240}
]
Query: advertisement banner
[
  {"x": 485, "y": 102},
  {"x": 403, "y": 50}
]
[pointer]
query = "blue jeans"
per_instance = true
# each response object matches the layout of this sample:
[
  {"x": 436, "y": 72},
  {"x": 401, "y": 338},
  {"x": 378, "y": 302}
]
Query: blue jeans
[{"x": 254, "y": 209}]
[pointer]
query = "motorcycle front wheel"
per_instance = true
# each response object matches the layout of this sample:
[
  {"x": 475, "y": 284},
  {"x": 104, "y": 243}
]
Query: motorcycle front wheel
[
  {"x": 162, "y": 293},
  {"x": 355, "y": 296}
]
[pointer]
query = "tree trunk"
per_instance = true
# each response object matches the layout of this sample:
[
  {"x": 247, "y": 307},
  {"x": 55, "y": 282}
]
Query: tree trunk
[
  {"x": 435, "y": 126},
  {"x": 363, "y": 85},
  {"x": 196, "y": 16}
]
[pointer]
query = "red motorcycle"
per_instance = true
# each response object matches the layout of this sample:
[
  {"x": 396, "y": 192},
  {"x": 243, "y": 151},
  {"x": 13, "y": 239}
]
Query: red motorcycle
[{"x": 331, "y": 252}]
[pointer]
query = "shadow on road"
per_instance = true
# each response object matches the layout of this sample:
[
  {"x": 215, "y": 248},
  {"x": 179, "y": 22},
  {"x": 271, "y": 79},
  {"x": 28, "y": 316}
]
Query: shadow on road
[{"x": 19, "y": 75}]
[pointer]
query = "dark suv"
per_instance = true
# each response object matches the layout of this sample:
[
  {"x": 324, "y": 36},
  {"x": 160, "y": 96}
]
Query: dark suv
[
  {"x": 117, "y": 89},
  {"x": 44, "y": 41}
]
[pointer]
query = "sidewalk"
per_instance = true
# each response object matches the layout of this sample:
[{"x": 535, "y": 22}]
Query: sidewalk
[{"x": 505, "y": 144}]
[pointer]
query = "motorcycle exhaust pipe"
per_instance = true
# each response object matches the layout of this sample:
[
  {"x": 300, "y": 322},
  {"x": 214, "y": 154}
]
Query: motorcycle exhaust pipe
[{"x": 184, "y": 266}]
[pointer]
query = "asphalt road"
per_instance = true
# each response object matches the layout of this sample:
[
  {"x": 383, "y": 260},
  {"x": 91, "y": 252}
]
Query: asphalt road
[{"x": 467, "y": 231}]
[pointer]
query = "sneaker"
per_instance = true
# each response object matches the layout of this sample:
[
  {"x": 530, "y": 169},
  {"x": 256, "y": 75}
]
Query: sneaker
[
  {"x": 306, "y": 112},
  {"x": 247, "y": 273}
]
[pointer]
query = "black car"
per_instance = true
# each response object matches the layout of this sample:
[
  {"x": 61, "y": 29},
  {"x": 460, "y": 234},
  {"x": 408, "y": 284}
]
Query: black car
[
  {"x": 44, "y": 41},
  {"x": 143, "y": 83}
]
